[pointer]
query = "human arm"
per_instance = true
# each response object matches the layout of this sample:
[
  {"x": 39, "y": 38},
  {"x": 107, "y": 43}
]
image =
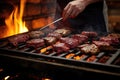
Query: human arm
[{"x": 75, "y": 7}]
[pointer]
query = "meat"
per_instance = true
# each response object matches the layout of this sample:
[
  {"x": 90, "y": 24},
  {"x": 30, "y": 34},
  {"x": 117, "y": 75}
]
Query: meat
[
  {"x": 50, "y": 40},
  {"x": 80, "y": 38},
  {"x": 115, "y": 35},
  {"x": 54, "y": 34},
  {"x": 36, "y": 34},
  {"x": 62, "y": 31},
  {"x": 89, "y": 49},
  {"x": 35, "y": 43},
  {"x": 89, "y": 33},
  {"x": 110, "y": 40},
  {"x": 60, "y": 47},
  {"x": 101, "y": 43},
  {"x": 19, "y": 38},
  {"x": 103, "y": 46},
  {"x": 70, "y": 42}
]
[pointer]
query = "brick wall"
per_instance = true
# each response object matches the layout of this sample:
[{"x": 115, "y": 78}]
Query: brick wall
[{"x": 38, "y": 13}]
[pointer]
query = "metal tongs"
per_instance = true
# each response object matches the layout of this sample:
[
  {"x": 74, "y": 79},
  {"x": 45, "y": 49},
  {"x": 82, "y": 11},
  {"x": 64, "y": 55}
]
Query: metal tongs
[{"x": 52, "y": 23}]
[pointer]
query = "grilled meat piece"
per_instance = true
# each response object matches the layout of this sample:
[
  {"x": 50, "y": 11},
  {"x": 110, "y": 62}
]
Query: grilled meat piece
[
  {"x": 19, "y": 38},
  {"x": 35, "y": 43},
  {"x": 89, "y": 49},
  {"x": 70, "y": 42},
  {"x": 115, "y": 35},
  {"x": 80, "y": 38},
  {"x": 54, "y": 34},
  {"x": 89, "y": 33},
  {"x": 50, "y": 40},
  {"x": 103, "y": 46},
  {"x": 36, "y": 34},
  {"x": 83, "y": 45},
  {"x": 60, "y": 47},
  {"x": 101, "y": 43},
  {"x": 110, "y": 40},
  {"x": 62, "y": 31}
]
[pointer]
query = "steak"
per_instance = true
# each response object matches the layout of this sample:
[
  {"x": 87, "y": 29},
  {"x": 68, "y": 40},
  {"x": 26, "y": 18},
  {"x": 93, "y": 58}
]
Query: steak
[
  {"x": 89, "y": 49},
  {"x": 110, "y": 40},
  {"x": 36, "y": 34},
  {"x": 35, "y": 43},
  {"x": 60, "y": 47},
  {"x": 103, "y": 45},
  {"x": 115, "y": 35},
  {"x": 81, "y": 38},
  {"x": 70, "y": 42},
  {"x": 89, "y": 33},
  {"x": 62, "y": 31},
  {"x": 54, "y": 34},
  {"x": 50, "y": 40},
  {"x": 19, "y": 38}
]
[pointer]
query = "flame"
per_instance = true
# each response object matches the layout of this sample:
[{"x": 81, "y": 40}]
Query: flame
[{"x": 14, "y": 22}]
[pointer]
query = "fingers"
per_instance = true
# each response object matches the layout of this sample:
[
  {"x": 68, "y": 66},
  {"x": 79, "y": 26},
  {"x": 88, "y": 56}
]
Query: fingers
[
  {"x": 73, "y": 9},
  {"x": 70, "y": 11},
  {"x": 74, "y": 13},
  {"x": 66, "y": 12}
]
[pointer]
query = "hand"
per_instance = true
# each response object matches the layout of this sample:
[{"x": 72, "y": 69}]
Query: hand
[{"x": 74, "y": 8}]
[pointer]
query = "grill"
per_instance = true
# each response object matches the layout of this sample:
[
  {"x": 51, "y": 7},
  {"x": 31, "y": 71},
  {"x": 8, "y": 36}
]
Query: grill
[{"x": 107, "y": 62}]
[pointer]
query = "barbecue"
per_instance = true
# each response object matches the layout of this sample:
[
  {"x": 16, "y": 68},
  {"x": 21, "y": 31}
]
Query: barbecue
[
  {"x": 60, "y": 47},
  {"x": 80, "y": 38},
  {"x": 55, "y": 34},
  {"x": 36, "y": 34},
  {"x": 70, "y": 42},
  {"x": 64, "y": 32},
  {"x": 89, "y": 33},
  {"x": 89, "y": 48},
  {"x": 71, "y": 49},
  {"x": 16, "y": 39},
  {"x": 50, "y": 40},
  {"x": 35, "y": 43},
  {"x": 110, "y": 40}
]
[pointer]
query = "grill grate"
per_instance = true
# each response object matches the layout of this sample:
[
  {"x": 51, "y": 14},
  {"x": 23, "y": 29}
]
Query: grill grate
[
  {"x": 74, "y": 54},
  {"x": 73, "y": 57}
]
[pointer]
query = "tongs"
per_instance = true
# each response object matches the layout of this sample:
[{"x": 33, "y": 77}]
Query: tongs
[{"x": 52, "y": 23}]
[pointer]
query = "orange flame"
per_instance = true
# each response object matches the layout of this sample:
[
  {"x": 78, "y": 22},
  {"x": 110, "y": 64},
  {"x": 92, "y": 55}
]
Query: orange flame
[{"x": 14, "y": 22}]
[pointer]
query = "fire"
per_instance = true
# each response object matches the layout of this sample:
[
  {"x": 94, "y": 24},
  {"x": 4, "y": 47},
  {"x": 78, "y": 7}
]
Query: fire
[{"x": 14, "y": 22}]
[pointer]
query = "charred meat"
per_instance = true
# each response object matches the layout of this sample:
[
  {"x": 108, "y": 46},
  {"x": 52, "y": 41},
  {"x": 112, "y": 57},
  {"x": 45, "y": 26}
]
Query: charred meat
[
  {"x": 89, "y": 49},
  {"x": 115, "y": 35},
  {"x": 35, "y": 43},
  {"x": 50, "y": 40},
  {"x": 54, "y": 34},
  {"x": 36, "y": 34},
  {"x": 110, "y": 40},
  {"x": 62, "y": 31},
  {"x": 70, "y": 42},
  {"x": 89, "y": 33},
  {"x": 19, "y": 38},
  {"x": 60, "y": 47},
  {"x": 103, "y": 45},
  {"x": 80, "y": 38}
]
